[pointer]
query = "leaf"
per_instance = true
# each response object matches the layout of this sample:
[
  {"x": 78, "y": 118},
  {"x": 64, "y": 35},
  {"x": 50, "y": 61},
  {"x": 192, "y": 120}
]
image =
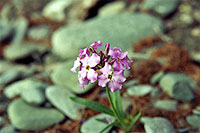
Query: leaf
[
  {"x": 115, "y": 123},
  {"x": 93, "y": 105},
  {"x": 117, "y": 103},
  {"x": 100, "y": 120},
  {"x": 135, "y": 117}
]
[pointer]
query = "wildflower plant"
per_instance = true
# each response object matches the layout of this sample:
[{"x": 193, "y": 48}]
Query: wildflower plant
[{"x": 107, "y": 68}]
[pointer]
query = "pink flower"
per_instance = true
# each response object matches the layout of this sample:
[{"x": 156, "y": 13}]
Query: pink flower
[
  {"x": 113, "y": 79},
  {"x": 121, "y": 59},
  {"x": 87, "y": 73},
  {"x": 76, "y": 64},
  {"x": 96, "y": 44},
  {"x": 86, "y": 51}
]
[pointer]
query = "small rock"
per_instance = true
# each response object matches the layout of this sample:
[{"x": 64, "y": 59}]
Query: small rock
[
  {"x": 126, "y": 104},
  {"x": 155, "y": 93},
  {"x": 130, "y": 83},
  {"x": 163, "y": 7},
  {"x": 178, "y": 86},
  {"x": 5, "y": 66},
  {"x": 8, "y": 129},
  {"x": 112, "y": 8},
  {"x": 94, "y": 126},
  {"x": 157, "y": 125},
  {"x": 20, "y": 27},
  {"x": 10, "y": 76},
  {"x": 16, "y": 88},
  {"x": 139, "y": 90},
  {"x": 121, "y": 34},
  {"x": 55, "y": 10},
  {"x": 156, "y": 77},
  {"x": 169, "y": 105},
  {"x": 195, "y": 56},
  {"x": 194, "y": 120},
  {"x": 6, "y": 30},
  {"x": 60, "y": 98},
  {"x": 33, "y": 96},
  {"x": 16, "y": 52},
  {"x": 62, "y": 76},
  {"x": 26, "y": 117},
  {"x": 41, "y": 32},
  {"x": 196, "y": 110}
]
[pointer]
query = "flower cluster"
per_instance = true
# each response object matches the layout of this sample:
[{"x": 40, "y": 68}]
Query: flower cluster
[{"x": 107, "y": 67}]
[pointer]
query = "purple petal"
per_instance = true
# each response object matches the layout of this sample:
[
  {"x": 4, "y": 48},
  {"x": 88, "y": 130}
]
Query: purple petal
[
  {"x": 93, "y": 60},
  {"x": 102, "y": 80},
  {"x": 114, "y": 86},
  {"x": 85, "y": 60},
  {"x": 122, "y": 55},
  {"x": 92, "y": 75},
  {"x": 96, "y": 44},
  {"x": 84, "y": 52},
  {"x": 76, "y": 64},
  {"x": 107, "y": 69},
  {"x": 119, "y": 76},
  {"x": 126, "y": 61},
  {"x": 83, "y": 81},
  {"x": 117, "y": 66}
]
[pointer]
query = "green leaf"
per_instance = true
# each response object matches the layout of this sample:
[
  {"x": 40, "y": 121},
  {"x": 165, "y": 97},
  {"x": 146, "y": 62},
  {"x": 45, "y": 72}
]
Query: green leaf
[
  {"x": 115, "y": 123},
  {"x": 102, "y": 121},
  {"x": 117, "y": 103},
  {"x": 135, "y": 117},
  {"x": 93, "y": 105}
]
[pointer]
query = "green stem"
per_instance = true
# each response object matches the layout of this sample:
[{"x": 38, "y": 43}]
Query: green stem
[{"x": 113, "y": 108}]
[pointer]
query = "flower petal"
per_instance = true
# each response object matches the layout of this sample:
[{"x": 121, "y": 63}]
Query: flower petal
[
  {"x": 76, "y": 64},
  {"x": 114, "y": 86},
  {"x": 117, "y": 66},
  {"x": 92, "y": 75},
  {"x": 102, "y": 80},
  {"x": 119, "y": 76},
  {"x": 93, "y": 60},
  {"x": 107, "y": 69}
]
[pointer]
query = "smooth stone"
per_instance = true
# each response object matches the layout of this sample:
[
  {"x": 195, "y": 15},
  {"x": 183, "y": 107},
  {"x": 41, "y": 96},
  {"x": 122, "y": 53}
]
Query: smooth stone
[
  {"x": 62, "y": 76},
  {"x": 16, "y": 88},
  {"x": 8, "y": 129},
  {"x": 121, "y": 33},
  {"x": 112, "y": 8},
  {"x": 126, "y": 104},
  {"x": 40, "y": 32},
  {"x": 33, "y": 96},
  {"x": 178, "y": 86},
  {"x": 26, "y": 117},
  {"x": 130, "y": 83},
  {"x": 169, "y": 105},
  {"x": 60, "y": 98},
  {"x": 5, "y": 66},
  {"x": 20, "y": 27},
  {"x": 156, "y": 77},
  {"x": 6, "y": 30},
  {"x": 10, "y": 76},
  {"x": 193, "y": 120},
  {"x": 139, "y": 90},
  {"x": 93, "y": 126},
  {"x": 20, "y": 51},
  {"x": 157, "y": 125},
  {"x": 155, "y": 93},
  {"x": 55, "y": 10},
  {"x": 162, "y": 7}
]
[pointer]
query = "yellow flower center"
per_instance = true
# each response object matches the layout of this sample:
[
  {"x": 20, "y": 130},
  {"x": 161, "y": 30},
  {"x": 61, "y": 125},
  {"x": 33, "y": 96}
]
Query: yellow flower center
[
  {"x": 87, "y": 67},
  {"x": 109, "y": 76}
]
